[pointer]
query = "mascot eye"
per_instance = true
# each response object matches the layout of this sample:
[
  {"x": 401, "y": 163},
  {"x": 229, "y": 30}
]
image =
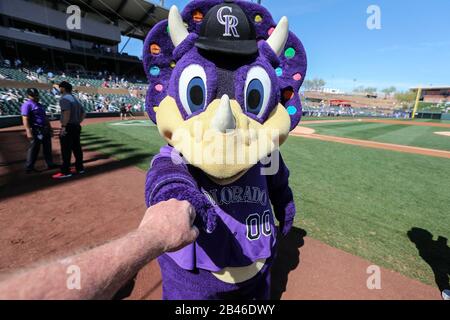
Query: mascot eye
[
  {"x": 255, "y": 96},
  {"x": 257, "y": 91},
  {"x": 196, "y": 94},
  {"x": 192, "y": 88}
]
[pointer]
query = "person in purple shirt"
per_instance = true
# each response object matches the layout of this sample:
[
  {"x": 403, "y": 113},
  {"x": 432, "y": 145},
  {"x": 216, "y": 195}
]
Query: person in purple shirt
[{"x": 38, "y": 131}]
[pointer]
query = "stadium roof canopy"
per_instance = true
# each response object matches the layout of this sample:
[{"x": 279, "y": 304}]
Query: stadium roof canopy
[
  {"x": 134, "y": 17},
  {"x": 433, "y": 88}
]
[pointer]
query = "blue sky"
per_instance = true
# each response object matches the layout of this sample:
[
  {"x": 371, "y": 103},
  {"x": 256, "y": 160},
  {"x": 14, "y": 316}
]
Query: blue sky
[{"x": 412, "y": 47}]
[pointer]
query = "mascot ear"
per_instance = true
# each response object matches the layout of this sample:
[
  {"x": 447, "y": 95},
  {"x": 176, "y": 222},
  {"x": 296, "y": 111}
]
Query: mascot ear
[{"x": 278, "y": 38}]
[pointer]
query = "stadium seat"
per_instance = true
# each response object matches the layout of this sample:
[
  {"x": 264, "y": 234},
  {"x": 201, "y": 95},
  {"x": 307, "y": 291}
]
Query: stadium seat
[
  {"x": 14, "y": 74},
  {"x": 12, "y": 107}
]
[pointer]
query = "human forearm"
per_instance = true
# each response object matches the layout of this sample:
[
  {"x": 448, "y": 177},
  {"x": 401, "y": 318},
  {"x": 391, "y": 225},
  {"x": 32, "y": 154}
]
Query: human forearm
[
  {"x": 100, "y": 272},
  {"x": 83, "y": 116},
  {"x": 26, "y": 123},
  {"x": 115, "y": 263},
  {"x": 65, "y": 118}
]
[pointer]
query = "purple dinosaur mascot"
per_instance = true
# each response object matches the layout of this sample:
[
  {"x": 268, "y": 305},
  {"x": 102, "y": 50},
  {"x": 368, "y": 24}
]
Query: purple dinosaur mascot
[{"x": 224, "y": 82}]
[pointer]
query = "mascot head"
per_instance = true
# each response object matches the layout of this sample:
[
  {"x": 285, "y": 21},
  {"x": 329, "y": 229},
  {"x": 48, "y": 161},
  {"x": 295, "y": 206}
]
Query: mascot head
[{"x": 224, "y": 84}]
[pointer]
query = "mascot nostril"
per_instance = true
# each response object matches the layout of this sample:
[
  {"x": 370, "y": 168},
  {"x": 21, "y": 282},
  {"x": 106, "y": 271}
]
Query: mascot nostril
[
  {"x": 167, "y": 135},
  {"x": 220, "y": 101}
]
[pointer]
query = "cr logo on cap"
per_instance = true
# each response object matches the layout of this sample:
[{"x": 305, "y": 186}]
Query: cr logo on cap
[{"x": 229, "y": 21}]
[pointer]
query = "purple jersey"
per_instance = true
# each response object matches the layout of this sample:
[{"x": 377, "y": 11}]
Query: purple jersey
[
  {"x": 245, "y": 229},
  {"x": 35, "y": 112}
]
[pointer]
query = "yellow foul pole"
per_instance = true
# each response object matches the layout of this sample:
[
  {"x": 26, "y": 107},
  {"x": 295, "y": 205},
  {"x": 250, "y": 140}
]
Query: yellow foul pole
[{"x": 419, "y": 94}]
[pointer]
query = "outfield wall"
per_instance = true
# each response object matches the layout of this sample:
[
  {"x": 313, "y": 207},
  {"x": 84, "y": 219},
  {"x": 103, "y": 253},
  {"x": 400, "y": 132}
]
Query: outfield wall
[
  {"x": 10, "y": 121},
  {"x": 429, "y": 115}
]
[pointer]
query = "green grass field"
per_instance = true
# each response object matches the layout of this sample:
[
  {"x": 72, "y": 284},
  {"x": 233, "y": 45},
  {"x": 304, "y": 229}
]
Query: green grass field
[
  {"x": 417, "y": 136},
  {"x": 363, "y": 201},
  {"x": 354, "y": 118}
]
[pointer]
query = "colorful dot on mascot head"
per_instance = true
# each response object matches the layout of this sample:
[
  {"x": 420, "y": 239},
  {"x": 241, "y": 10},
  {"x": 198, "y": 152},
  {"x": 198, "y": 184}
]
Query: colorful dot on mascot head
[
  {"x": 223, "y": 69},
  {"x": 159, "y": 52}
]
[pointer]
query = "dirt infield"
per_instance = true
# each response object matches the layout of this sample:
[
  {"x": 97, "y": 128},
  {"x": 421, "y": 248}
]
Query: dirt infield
[
  {"x": 444, "y": 133},
  {"x": 307, "y": 269},
  {"x": 303, "y": 132},
  {"x": 41, "y": 218}
]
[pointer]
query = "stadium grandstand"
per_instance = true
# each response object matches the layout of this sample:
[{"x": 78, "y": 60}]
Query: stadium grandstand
[
  {"x": 434, "y": 94},
  {"x": 326, "y": 104},
  {"x": 38, "y": 49}
]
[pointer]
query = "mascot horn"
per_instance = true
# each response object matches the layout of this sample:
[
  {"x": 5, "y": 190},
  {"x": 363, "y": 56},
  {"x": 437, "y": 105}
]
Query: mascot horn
[{"x": 224, "y": 82}]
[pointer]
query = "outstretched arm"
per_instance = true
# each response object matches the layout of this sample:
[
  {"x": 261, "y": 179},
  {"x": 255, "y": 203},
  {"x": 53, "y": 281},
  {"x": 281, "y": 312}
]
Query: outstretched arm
[
  {"x": 169, "y": 178},
  {"x": 104, "y": 270},
  {"x": 26, "y": 124},
  {"x": 281, "y": 197}
]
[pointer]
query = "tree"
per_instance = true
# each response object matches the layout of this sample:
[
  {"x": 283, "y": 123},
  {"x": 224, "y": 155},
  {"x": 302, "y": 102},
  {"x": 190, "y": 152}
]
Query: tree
[
  {"x": 371, "y": 90},
  {"x": 389, "y": 91},
  {"x": 359, "y": 89},
  {"x": 406, "y": 98},
  {"x": 308, "y": 85},
  {"x": 321, "y": 84},
  {"x": 366, "y": 90},
  {"x": 315, "y": 84}
]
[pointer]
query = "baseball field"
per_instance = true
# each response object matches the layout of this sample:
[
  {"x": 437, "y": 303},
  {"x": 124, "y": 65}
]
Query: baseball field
[
  {"x": 368, "y": 192},
  {"x": 358, "y": 199}
]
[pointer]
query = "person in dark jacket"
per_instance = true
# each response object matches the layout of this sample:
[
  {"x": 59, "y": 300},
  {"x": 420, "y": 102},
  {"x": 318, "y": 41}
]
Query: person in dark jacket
[
  {"x": 38, "y": 131},
  {"x": 72, "y": 114}
]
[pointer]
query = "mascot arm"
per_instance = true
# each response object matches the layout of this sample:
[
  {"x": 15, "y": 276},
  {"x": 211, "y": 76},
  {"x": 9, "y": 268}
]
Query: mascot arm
[
  {"x": 166, "y": 180},
  {"x": 282, "y": 198}
]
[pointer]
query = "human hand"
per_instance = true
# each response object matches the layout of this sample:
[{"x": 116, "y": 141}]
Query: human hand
[
  {"x": 63, "y": 132},
  {"x": 29, "y": 134},
  {"x": 173, "y": 220}
]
